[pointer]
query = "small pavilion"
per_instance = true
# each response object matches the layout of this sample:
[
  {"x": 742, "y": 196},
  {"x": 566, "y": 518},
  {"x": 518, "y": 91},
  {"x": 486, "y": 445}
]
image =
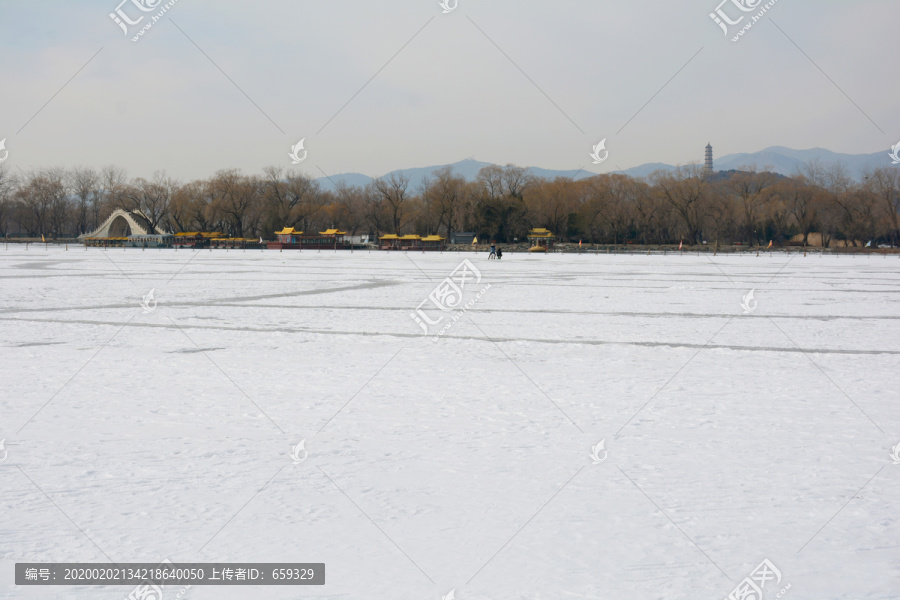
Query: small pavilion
[
  {"x": 389, "y": 241},
  {"x": 541, "y": 239},
  {"x": 291, "y": 239},
  {"x": 410, "y": 241},
  {"x": 288, "y": 236},
  {"x": 432, "y": 242},
  {"x": 331, "y": 238},
  {"x": 196, "y": 239}
]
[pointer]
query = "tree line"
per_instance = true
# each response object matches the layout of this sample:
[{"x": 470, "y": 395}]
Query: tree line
[{"x": 503, "y": 203}]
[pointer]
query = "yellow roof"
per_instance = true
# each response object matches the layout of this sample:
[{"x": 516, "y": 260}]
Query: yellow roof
[
  {"x": 432, "y": 238},
  {"x": 410, "y": 236},
  {"x": 332, "y": 232},
  {"x": 288, "y": 231},
  {"x": 189, "y": 233},
  {"x": 390, "y": 236},
  {"x": 540, "y": 232}
]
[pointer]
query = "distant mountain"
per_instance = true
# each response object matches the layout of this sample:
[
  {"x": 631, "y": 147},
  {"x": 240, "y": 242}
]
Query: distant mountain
[
  {"x": 575, "y": 174},
  {"x": 785, "y": 161},
  {"x": 349, "y": 179},
  {"x": 778, "y": 159},
  {"x": 788, "y": 161},
  {"x": 467, "y": 168},
  {"x": 647, "y": 169}
]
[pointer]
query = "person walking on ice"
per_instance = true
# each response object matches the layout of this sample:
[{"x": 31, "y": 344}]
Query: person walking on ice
[{"x": 493, "y": 253}]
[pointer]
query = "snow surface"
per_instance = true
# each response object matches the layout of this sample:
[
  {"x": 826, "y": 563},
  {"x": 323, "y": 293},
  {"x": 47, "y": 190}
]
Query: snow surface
[{"x": 461, "y": 462}]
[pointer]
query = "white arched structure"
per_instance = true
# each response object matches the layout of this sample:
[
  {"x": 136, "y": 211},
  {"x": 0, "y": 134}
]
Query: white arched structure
[{"x": 122, "y": 223}]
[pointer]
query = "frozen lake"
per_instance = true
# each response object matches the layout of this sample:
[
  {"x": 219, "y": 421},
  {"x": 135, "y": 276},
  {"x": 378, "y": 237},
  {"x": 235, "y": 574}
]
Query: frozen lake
[{"x": 461, "y": 461}]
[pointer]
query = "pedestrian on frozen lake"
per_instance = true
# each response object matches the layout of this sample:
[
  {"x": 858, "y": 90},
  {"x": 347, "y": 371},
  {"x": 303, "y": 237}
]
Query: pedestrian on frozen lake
[
  {"x": 499, "y": 253},
  {"x": 493, "y": 253}
]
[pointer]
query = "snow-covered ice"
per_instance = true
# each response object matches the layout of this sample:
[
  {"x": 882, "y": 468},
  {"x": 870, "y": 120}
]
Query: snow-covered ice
[{"x": 461, "y": 462}]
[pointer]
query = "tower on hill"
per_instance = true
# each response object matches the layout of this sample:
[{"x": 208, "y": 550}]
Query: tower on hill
[{"x": 709, "y": 158}]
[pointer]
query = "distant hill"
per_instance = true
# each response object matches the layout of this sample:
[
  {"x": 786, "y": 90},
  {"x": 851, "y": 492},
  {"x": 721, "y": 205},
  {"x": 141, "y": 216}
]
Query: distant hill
[
  {"x": 467, "y": 168},
  {"x": 785, "y": 161},
  {"x": 349, "y": 179},
  {"x": 647, "y": 169},
  {"x": 778, "y": 159}
]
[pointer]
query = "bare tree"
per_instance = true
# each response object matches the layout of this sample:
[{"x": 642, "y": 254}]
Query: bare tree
[
  {"x": 623, "y": 194},
  {"x": 444, "y": 198},
  {"x": 237, "y": 194},
  {"x": 84, "y": 182},
  {"x": 751, "y": 189},
  {"x": 294, "y": 197},
  {"x": 350, "y": 210},
  {"x": 204, "y": 210},
  {"x": 499, "y": 203},
  {"x": 553, "y": 204},
  {"x": 884, "y": 185},
  {"x": 393, "y": 193},
  {"x": 181, "y": 209},
  {"x": 647, "y": 212},
  {"x": 43, "y": 197},
  {"x": 305, "y": 198},
  {"x": 685, "y": 190},
  {"x": 858, "y": 212},
  {"x": 110, "y": 194},
  {"x": 515, "y": 181},
  {"x": 151, "y": 198},
  {"x": 276, "y": 194},
  {"x": 593, "y": 206},
  {"x": 7, "y": 188},
  {"x": 721, "y": 213},
  {"x": 801, "y": 199}
]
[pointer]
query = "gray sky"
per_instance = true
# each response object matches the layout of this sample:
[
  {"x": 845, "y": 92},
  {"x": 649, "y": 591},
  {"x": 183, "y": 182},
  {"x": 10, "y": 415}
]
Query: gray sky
[{"x": 530, "y": 83}]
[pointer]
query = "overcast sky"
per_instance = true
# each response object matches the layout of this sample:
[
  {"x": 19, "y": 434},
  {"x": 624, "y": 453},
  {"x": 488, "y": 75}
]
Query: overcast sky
[{"x": 379, "y": 85}]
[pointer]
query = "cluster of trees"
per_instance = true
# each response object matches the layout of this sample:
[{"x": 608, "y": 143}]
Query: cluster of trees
[{"x": 502, "y": 204}]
